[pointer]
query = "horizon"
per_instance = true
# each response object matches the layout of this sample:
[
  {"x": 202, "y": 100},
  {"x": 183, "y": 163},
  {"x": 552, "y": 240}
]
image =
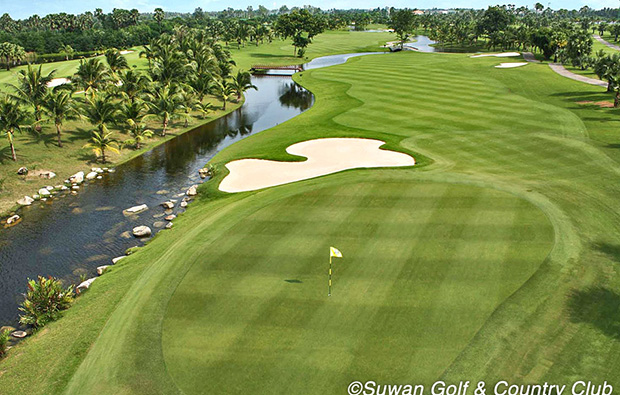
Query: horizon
[{"x": 18, "y": 11}]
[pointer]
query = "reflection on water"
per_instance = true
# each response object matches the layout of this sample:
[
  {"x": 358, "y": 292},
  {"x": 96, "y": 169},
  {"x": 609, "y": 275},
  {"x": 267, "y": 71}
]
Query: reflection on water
[{"x": 74, "y": 234}]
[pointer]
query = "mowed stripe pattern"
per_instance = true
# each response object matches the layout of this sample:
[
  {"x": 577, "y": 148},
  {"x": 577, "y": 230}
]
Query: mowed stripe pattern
[{"x": 424, "y": 265}]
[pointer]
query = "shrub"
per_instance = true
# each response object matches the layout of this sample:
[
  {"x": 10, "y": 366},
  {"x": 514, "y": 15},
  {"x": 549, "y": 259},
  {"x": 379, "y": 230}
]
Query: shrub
[
  {"x": 45, "y": 301},
  {"x": 4, "y": 341}
]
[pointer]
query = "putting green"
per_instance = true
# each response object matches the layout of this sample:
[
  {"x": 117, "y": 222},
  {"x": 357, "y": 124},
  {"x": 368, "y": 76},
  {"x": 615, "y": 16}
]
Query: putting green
[{"x": 425, "y": 264}]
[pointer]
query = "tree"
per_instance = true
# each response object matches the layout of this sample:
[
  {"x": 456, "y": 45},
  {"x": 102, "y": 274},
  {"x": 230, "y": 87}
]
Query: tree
[
  {"x": 131, "y": 115},
  {"x": 402, "y": 23},
  {"x": 132, "y": 84},
  {"x": 116, "y": 61},
  {"x": 45, "y": 301},
  {"x": 91, "y": 75},
  {"x": 32, "y": 87},
  {"x": 301, "y": 26},
  {"x": 102, "y": 142},
  {"x": 11, "y": 54},
  {"x": 67, "y": 50},
  {"x": 165, "y": 104},
  {"x": 11, "y": 118},
  {"x": 241, "y": 83},
  {"x": 59, "y": 106},
  {"x": 159, "y": 15},
  {"x": 221, "y": 90},
  {"x": 100, "y": 111}
]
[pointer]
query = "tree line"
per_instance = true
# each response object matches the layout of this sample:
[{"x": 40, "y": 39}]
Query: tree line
[{"x": 184, "y": 69}]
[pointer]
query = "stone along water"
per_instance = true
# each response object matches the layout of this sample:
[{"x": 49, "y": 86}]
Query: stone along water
[{"x": 73, "y": 234}]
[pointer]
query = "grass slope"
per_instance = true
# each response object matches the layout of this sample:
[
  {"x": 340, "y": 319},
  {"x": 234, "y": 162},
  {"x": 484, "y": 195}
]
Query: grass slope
[{"x": 505, "y": 155}]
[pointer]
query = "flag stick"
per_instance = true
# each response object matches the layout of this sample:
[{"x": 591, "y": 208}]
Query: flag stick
[{"x": 329, "y": 278}]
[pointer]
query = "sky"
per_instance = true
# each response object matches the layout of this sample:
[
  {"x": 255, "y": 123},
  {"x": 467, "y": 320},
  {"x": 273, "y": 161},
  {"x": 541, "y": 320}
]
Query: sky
[{"x": 19, "y": 10}]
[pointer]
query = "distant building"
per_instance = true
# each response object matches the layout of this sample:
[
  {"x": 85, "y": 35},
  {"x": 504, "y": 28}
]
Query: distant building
[{"x": 418, "y": 12}]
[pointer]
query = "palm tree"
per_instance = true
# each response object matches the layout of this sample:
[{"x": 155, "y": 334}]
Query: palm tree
[
  {"x": 59, "y": 106},
  {"x": 100, "y": 111},
  {"x": 147, "y": 53},
  {"x": 11, "y": 54},
  {"x": 11, "y": 118},
  {"x": 102, "y": 142},
  {"x": 32, "y": 88},
  {"x": 91, "y": 75},
  {"x": 116, "y": 61},
  {"x": 132, "y": 84},
  {"x": 241, "y": 83},
  {"x": 67, "y": 50},
  {"x": 132, "y": 115},
  {"x": 164, "y": 104},
  {"x": 222, "y": 91}
]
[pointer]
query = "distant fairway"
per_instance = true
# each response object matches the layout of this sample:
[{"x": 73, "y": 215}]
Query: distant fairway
[{"x": 425, "y": 265}]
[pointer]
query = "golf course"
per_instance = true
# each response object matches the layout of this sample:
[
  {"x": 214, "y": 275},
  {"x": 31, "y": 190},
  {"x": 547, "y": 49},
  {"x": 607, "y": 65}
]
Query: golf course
[{"x": 494, "y": 257}]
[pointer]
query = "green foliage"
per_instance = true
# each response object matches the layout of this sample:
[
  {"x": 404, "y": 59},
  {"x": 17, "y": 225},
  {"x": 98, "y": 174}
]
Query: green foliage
[
  {"x": 402, "y": 21},
  {"x": 45, "y": 300},
  {"x": 301, "y": 26},
  {"x": 4, "y": 341}
]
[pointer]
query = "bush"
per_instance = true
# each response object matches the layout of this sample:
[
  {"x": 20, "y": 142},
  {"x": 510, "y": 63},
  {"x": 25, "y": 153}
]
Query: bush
[
  {"x": 4, "y": 341},
  {"x": 45, "y": 301}
]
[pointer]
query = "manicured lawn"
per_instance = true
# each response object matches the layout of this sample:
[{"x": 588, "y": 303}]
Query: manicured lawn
[{"x": 496, "y": 257}]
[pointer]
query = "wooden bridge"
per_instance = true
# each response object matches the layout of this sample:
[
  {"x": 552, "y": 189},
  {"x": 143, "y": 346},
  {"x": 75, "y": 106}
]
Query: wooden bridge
[{"x": 259, "y": 67}]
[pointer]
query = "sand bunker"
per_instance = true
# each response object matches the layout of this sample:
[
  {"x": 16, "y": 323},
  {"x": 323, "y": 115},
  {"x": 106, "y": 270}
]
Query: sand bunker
[
  {"x": 497, "y": 55},
  {"x": 325, "y": 156},
  {"x": 57, "y": 82},
  {"x": 125, "y": 52},
  {"x": 510, "y": 65}
]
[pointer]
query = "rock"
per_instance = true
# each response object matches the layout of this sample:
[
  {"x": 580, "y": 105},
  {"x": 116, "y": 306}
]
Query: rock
[
  {"x": 111, "y": 171},
  {"x": 170, "y": 217},
  {"x": 137, "y": 209},
  {"x": 49, "y": 188},
  {"x": 85, "y": 285},
  {"x": 97, "y": 170},
  {"x": 22, "y": 171},
  {"x": 47, "y": 174},
  {"x": 101, "y": 269},
  {"x": 77, "y": 178},
  {"x": 126, "y": 235},
  {"x": 169, "y": 225},
  {"x": 92, "y": 175},
  {"x": 77, "y": 211},
  {"x": 58, "y": 186},
  {"x": 118, "y": 258},
  {"x": 158, "y": 215},
  {"x": 159, "y": 224},
  {"x": 7, "y": 328},
  {"x": 192, "y": 190},
  {"x": 183, "y": 204},
  {"x": 105, "y": 169},
  {"x": 25, "y": 201},
  {"x": 168, "y": 205},
  {"x": 99, "y": 177},
  {"x": 179, "y": 195},
  {"x": 36, "y": 197},
  {"x": 75, "y": 187},
  {"x": 64, "y": 188},
  {"x": 73, "y": 192},
  {"x": 19, "y": 334},
  {"x": 13, "y": 219},
  {"x": 44, "y": 192},
  {"x": 142, "y": 231},
  {"x": 162, "y": 192}
]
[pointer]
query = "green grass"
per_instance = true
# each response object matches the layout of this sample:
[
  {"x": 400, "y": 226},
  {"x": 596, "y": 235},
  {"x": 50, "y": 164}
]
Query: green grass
[{"x": 495, "y": 258}]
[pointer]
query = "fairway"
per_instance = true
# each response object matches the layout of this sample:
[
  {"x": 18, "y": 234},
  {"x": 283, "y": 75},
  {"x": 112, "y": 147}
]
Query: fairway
[{"x": 424, "y": 266}]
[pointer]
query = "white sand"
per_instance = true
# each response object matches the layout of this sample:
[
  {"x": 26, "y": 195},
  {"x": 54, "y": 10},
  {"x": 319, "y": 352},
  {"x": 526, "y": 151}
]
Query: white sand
[
  {"x": 57, "y": 82},
  {"x": 510, "y": 65},
  {"x": 325, "y": 156},
  {"x": 498, "y": 55}
]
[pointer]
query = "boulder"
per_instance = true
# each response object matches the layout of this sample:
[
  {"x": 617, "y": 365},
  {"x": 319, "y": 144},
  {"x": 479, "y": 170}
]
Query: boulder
[
  {"x": 137, "y": 209},
  {"x": 192, "y": 191},
  {"x": 92, "y": 175},
  {"x": 168, "y": 205},
  {"x": 142, "y": 231},
  {"x": 47, "y": 174},
  {"x": 85, "y": 285},
  {"x": 44, "y": 192},
  {"x": 77, "y": 178},
  {"x": 13, "y": 219},
  {"x": 22, "y": 171},
  {"x": 170, "y": 217},
  {"x": 19, "y": 334},
  {"x": 118, "y": 258},
  {"x": 25, "y": 201},
  {"x": 101, "y": 269},
  {"x": 169, "y": 225}
]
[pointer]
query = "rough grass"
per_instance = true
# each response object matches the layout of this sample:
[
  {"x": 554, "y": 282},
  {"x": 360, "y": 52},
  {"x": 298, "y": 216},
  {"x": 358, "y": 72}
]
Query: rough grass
[{"x": 445, "y": 272}]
